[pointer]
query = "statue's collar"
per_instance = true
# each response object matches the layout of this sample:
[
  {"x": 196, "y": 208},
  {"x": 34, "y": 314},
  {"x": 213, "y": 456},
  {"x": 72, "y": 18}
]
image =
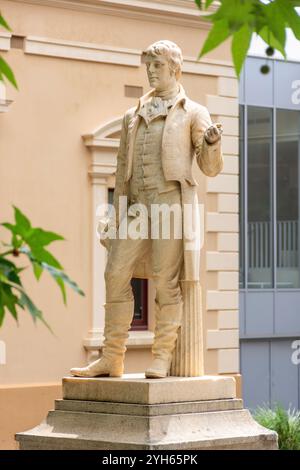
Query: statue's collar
[{"x": 181, "y": 97}]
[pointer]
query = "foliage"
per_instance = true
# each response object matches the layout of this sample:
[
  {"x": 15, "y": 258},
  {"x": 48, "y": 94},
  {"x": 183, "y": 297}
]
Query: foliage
[
  {"x": 5, "y": 70},
  {"x": 285, "y": 423},
  {"x": 239, "y": 19},
  {"x": 30, "y": 242}
]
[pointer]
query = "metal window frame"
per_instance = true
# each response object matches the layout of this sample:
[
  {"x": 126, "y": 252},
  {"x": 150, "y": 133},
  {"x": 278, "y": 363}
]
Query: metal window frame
[
  {"x": 273, "y": 200},
  {"x": 244, "y": 180}
]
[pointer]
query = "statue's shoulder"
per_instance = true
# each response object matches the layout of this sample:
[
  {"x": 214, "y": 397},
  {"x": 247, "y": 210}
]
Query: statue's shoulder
[
  {"x": 130, "y": 113},
  {"x": 194, "y": 107}
]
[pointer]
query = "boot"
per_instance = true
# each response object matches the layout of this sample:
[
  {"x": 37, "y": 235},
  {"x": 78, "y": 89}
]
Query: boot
[
  {"x": 118, "y": 318},
  {"x": 168, "y": 321}
]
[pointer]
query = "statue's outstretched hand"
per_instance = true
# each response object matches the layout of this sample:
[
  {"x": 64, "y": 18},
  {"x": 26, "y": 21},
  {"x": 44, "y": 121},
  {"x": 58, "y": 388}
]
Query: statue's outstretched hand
[{"x": 213, "y": 133}]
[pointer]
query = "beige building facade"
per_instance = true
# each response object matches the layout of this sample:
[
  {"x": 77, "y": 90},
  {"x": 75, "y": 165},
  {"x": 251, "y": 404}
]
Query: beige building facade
[{"x": 78, "y": 66}]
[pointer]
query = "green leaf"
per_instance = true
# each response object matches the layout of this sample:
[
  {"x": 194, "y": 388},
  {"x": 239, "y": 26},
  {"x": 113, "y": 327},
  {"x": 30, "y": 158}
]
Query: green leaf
[
  {"x": 276, "y": 22},
  {"x": 258, "y": 19},
  {"x": 25, "y": 302},
  {"x": 235, "y": 12},
  {"x": 207, "y": 3},
  {"x": 61, "y": 285},
  {"x": 36, "y": 238},
  {"x": 39, "y": 255},
  {"x": 7, "y": 72},
  {"x": 28, "y": 303},
  {"x": 10, "y": 227},
  {"x": 6, "y": 264},
  {"x": 2, "y": 311},
  {"x": 42, "y": 319},
  {"x": 239, "y": 47},
  {"x": 9, "y": 300},
  {"x": 23, "y": 224},
  {"x": 216, "y": 36},
  {"x": 41, "y": 237},
  {"x": 17, "y": 241},
  {"x": 10, "y": 271},
  {"x": 269, "y": 39},
  {"x": 4, "y": 23},
  {"x": 37, "y": 269},
  {"x": 31, "y": 242},
  {"x": 58, "y": 274},
  {"x": 55, "y": 271},
  {"x": 33, "y": 310},
  {"x": 22, "y": 227},
  {"x": 291, "y": 16},
  {"x": 13, "y": 276},
  {"x": 42, "y": 255}
]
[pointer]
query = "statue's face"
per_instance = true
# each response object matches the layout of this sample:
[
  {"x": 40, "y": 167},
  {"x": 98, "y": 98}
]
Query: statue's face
[{"x": 159, "y": 74}]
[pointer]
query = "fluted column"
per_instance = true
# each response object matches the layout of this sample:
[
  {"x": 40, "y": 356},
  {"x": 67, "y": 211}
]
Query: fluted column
[{"x": 188, "y": 360}]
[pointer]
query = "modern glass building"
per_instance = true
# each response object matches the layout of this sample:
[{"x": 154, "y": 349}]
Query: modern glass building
[{"x": 269, "y": 277}]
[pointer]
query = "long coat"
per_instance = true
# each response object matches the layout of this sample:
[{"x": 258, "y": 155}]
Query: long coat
[{"x": 182, "y": 141}]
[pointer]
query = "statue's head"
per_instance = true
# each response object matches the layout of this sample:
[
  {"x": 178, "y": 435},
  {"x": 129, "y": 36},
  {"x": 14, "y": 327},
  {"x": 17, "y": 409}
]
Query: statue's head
[{"x": 164, "y": 62}]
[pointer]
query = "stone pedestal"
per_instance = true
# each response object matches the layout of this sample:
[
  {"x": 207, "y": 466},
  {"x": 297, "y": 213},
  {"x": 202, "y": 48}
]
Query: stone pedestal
[{"x": 134, "y": 413}]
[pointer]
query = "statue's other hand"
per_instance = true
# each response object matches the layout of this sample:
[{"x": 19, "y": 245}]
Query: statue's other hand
[
  {"x": 213, "y": 133},
  {"x": 102, "y": 230}
]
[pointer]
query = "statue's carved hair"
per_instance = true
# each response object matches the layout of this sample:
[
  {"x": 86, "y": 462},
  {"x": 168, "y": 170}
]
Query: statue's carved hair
[{"x": 168, "y": 49}]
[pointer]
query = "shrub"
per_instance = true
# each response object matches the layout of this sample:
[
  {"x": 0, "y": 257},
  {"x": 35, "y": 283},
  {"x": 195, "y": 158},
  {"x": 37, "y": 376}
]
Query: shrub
[{"x": 285, "y": 422}]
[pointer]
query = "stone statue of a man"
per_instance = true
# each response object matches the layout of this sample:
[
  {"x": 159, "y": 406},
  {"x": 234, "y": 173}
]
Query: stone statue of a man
[{"x": 159, "y": 139}]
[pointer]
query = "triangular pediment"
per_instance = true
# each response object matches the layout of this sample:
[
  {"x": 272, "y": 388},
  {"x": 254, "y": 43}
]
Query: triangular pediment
[{"x": 106, "y": 135}]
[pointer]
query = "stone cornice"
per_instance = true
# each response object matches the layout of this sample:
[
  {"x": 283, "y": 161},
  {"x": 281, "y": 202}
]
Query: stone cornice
[
  {"x": 219, "y": 68},
  {"x": 180, "y": 12},
  {"x": 81, "y": 51},
  {"x": 136, "y": 339},
  {"x": 103, "y": 143},
  {"x": 116, "y": 55},
  {"x": 101, "y": 137}
]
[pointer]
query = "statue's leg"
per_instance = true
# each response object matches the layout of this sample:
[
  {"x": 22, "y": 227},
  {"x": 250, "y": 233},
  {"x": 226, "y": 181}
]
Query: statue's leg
[
  {"x": 119, "y": 308},
  {"x": 167, "y": 259}
]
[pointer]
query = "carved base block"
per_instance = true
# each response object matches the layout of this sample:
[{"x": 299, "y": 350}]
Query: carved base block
[{"x": 134, "y": 413}]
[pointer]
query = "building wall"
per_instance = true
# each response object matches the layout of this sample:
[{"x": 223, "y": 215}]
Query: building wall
[
  {"x": 269, "y": 286},
  {"x": 71, "y": 64}
]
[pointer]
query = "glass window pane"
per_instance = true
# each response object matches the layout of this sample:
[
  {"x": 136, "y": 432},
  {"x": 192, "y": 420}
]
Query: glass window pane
[
  {"x": 260, "y": 252},
  {"x": 241, "y": 200},
  {"x": 287, "y": 198}
]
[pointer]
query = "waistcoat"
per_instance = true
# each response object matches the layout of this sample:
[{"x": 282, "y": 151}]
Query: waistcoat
[{"x": 147, "y": 172}]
